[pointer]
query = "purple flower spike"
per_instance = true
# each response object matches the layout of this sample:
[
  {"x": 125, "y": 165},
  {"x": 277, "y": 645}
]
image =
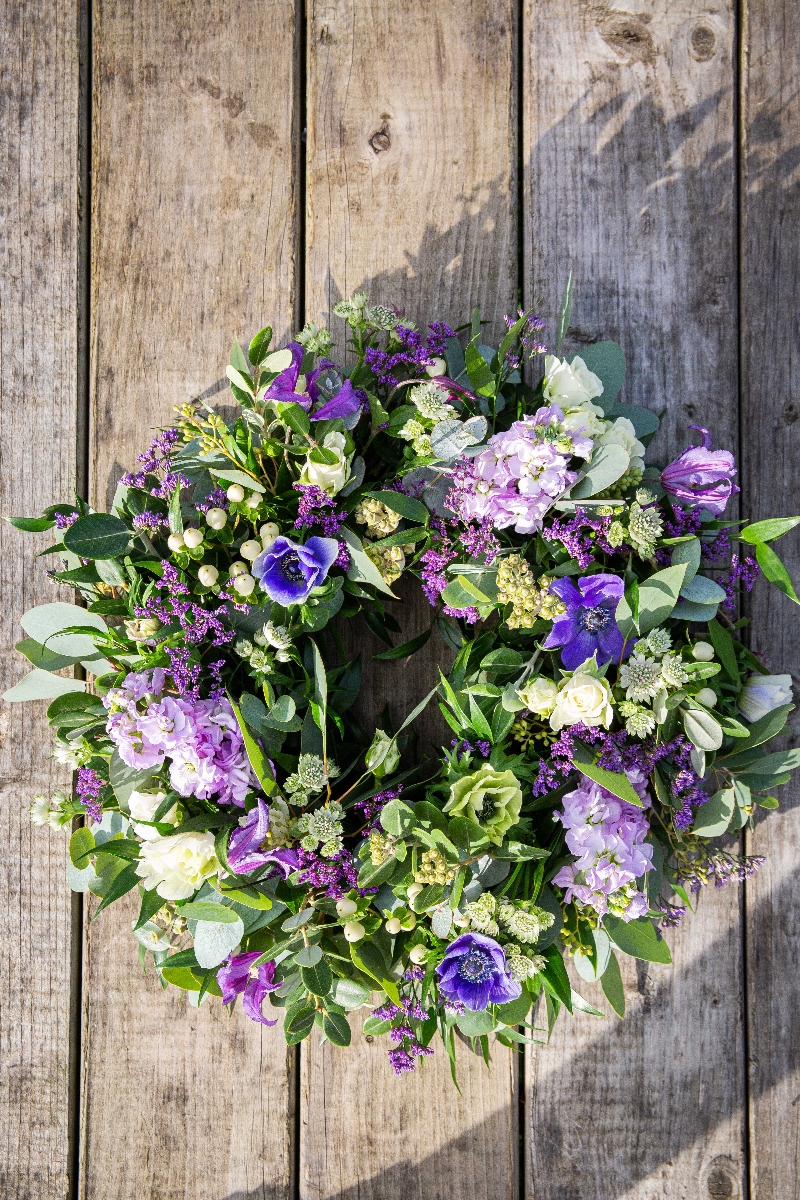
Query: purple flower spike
[
  {"x": 589, "y": 625},
  {"x": 288, "y": 571},
  {"x": 283, "y": 385},
  {"x": 701, "y": 477},
  {"x": 234, "y": 978},
  {"x": 473, "y": 971},
  {"x": 245, "y": 851}
]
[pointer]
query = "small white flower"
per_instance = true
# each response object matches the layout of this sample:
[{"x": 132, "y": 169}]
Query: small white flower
[
  {"x": 582, "y": 698},
  {"x": 672, "y": 670},
  {"x": 72, "y": 754},
  {"x": 763, "y": 693},
  {"x": 641, "y": 677},
  {"x": 431, "y": 401},
  {"x": 658, "y": 641},
  {"x": 46, "y": 810}
]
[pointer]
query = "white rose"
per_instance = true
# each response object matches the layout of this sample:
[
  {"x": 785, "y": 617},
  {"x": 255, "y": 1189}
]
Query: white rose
[
  {"x": 569, "y": 384},
  {"x": 143, "y": 807},
  {"x": 177, "y": 866},
  {"x": 586, "y": 419},
  {"x": 622, "y": 433},
  {"x": 582, "y": 698},
  {"x": 539, "y": 696},
  {"x": 330, "y": 477},
  {"x": 762, "y": 693}
]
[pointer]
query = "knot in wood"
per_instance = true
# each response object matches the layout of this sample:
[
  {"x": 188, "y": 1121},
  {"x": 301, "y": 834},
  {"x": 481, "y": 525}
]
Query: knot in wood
[
  {"x": 703, "y": 42},
  {"x": 380, "y": 140}
]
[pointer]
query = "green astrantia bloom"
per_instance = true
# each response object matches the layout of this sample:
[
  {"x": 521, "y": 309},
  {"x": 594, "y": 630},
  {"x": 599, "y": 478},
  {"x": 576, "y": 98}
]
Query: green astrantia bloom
[{"x": 491, "y": 798}]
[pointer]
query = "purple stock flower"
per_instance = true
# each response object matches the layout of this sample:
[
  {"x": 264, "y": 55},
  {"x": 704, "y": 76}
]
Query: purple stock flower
[
  {"x": 589, "y": 625},
  {"x": 234, "y": 978},
  {"x": 246, "y": 850},
  {"x": 474, "y": 971},
  {"x": 701, "y": 476},
  {"x": 288, "y": 571}
]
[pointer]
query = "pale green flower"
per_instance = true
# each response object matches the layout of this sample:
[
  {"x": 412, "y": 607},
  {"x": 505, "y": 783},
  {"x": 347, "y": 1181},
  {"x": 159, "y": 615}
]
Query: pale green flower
[{"x": 491, "y": 798}]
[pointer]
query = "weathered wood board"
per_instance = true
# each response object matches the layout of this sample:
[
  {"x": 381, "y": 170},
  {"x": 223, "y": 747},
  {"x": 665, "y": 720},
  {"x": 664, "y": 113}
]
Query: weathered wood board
[
  {"x": 39, "y": 235},
  {"x": 770, "y": 479},
  {"x": 194, "y": 242},
  {"x": 632, "y": 112}
]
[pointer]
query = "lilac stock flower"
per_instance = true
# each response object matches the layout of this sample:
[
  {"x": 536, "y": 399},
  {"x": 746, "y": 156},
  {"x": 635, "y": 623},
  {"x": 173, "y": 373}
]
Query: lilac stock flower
[
  {"x": 234, "y": 978},
  {"x": 473, "y": 971},
  {"x": 589, "y": 625},
  {"x": 288, "y": 571},
  {"x": 701, "y": 476},
  {"x": 247, "y": 852}
]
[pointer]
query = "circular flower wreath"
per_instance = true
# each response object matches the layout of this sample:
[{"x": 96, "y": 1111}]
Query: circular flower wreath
[{"x": 608, "y": 723}]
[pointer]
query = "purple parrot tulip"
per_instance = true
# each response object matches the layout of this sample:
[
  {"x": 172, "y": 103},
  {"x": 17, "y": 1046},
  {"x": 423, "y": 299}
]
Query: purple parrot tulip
[
  {"x": 234, "y": 978},
  {"x": 288, "y": 571},
  {"x": 589, "y": 624},
  {"x": 473, "y": 971},
  {"x": 701, "y": 477},
  {"x": 245, "y": 849}
]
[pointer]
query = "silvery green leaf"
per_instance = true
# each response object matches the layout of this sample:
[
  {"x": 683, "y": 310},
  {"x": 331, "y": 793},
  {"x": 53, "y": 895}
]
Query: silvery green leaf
[
  {"x": 362, "y": 569},
  {"x": 152, "y": 936},
  {"x": 701, "y": 590},
  {"x": 712, "y": 818},
  {"x": 213, "y": 942},
  {"x": 278, "y": 361},
  {"x": 698, "y": 758},
  {"x": 309, "y": 956},
  {"x": 608, "y": 464},
  {"x": 47, "y": 620},
  {"x": 643, "y": 420},
  {"x": 111, "y": 824},
  {"x": 349, "y": 993},
  {"x": 448, "y": 439},
  {"x": 80, "y": 881},
  {"x": 42, "y": 685},
  {"x": 477, "y": 428},
  {"x": 441, "y": 920},
  {"x": 195, "y": 999},
  {"x": 436, "y": 486},
  {"x": 125, "y": 779},
  {"x": 689, "y": 553},
  {"x": 357, "y": 468},
  {"x": 471, "y": 891},
  {"x": 584, "y": 965},
  {"x": 510, "y": 700},
  {"x": 702, "y": 730},
  {"x": 658, "y": 596},
  {"x": 488, "y": 872},
  {"x": 687, "y": 610}
]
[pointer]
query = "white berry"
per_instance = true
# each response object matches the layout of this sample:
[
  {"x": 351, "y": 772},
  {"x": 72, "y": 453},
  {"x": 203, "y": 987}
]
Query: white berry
[
  {"x": 208, "y": 576},
  {"x": 217, "y": 518},
  {"x": 237, "y": 568},
  {"x": 393, "y": 926},
  {"x": 175, "y": 541},
  {"x": 410, "y": 921},
  {"x": 250, "y": 549},
  {"x": 703, "y": 651},
  {"x": 707, "y": 696},
  {"x": 235, "y": 493},
  {"x": 244, "y": 584},
  {"x": 193, "y": 538},
  {"x": 253, "y": 500},
  {"x": 437, "y": 367},
  {"x": 268, "y": 533},
  {"x": 354, "y": 931},
  {"x": 414, "y": 890},
  {"x": 418, "y": 954},
  {"x": 346, "y": 907}
]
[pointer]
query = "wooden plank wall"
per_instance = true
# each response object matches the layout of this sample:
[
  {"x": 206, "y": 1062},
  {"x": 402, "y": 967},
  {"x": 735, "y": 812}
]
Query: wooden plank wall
[{"x": 452, "y": 155}]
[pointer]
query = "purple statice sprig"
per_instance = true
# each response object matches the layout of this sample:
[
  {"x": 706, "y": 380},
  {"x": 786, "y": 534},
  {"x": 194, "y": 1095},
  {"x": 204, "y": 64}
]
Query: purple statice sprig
[
  {"x": 217, "y": 498},
  {"x": 318, "y": 511},
  {"x": 157, "y": 459},
  {"x": 413, "y": 354},
  {"x": 582, "y": 535},
  {"x": 88, "y": 787},
  {"x": 407, "y": 1047},
  {"x": 197, "y": 623},
  {"x": 373, "y": 806}
]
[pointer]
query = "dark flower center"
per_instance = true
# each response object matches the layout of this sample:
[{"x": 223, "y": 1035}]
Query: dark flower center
[
  {"x": 475, "y": 966},
  {"x": 594, "y": 619},
  {"x": 290, "y": 565},
  {"x": 487, "y": 808}
]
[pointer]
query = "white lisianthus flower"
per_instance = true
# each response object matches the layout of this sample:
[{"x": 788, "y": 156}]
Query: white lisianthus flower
[
  {"x": 582, "y": 698},
  {"x": 143, "y": 807},
  {"x": 177, "y": 866},
  {"x": 762, "y": 693},
  {"x": 587, "y": 419},
  {"x": 622, "y": 433},
  {"x": 539, "y": 695},
  {"x": 569, "y": 385},
  {"x": 331, "y": 477}
]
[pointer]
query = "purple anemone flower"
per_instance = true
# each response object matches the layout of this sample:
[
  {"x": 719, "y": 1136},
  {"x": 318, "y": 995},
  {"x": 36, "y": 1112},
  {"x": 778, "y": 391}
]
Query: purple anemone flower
[
  {"x": 589, "y": 624},
  {"x": 245, "y": 852},
  {"x": 283, "y": 385},
  {"x": 473, "y": 971},
  {"x": 234, "y": 977},
  {"x": 701, "y": 477},
  {"x": 288, "y": 571}
]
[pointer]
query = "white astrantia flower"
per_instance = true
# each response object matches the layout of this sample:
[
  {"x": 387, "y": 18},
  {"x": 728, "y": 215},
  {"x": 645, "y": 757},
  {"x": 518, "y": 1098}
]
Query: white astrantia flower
[
  {"x": 431, "y": 401},
  {"x": 582, "y": 698},
  {"x": 177, "y": 866},
  {"x": 47, "y": 810},
  {"x": 622, "y": 433},
  {"x": 763, "y": 693},
  {"x": 330, "y": 477},
  {"x": 641, "y": 677},
  {"x": 672, "y": 670},
  {"x": 143, "y": 807},
  {"x": 315, "y": 338},
  {"x": 658, "y": 641},
  {"x": 569, "y": 384}
]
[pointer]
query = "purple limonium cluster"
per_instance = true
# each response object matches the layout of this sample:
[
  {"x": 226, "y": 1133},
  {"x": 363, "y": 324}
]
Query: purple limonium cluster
[
  {"x": 334, "y": 876},
  {"x": 312, "y": 511},
  {"x": 607, "y": 837},
  {"x": 461, "y": 747},
  {"x": 407, "y": 1048},
  {"x": 216, "y": 498},
  {"x": 235, "y": 978},
  {"x": 288, "y": 570},
  {"x": 582, "y": 536},
  {"x": 744, "y": 571},
  {"x": 88, "y": 787},
  {"x": 473, "y": 971},
  {"x": 413, "y": 355},
  {"x": 520, "y": 474},
  {"x": 701, "y": 477},
  {"x": 588, "y": 626},
  {"x": 64, "y": 520},
  {"x": 157, "y": 459},
  {"x": 196, "y": 622},
  {"x": 200, "y": 738}
]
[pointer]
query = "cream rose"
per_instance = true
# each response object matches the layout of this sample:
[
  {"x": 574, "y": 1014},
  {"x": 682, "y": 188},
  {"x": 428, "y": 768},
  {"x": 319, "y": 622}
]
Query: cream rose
[
  {"x": 582, "y": 698},
  {"x": 539, "y": 696},
  {"x": 586, "y": 419},
  {"x": 763, "y": 693},
  {"x": 622, "y": 433},
  {"x": 569, "y": 384},
  {"x": 143, "y": 807},
  {"x": 177, "y": 866},
  {"x": 331, "y": 477}
]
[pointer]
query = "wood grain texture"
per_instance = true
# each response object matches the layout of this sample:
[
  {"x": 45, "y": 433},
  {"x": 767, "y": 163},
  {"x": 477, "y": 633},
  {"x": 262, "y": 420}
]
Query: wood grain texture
[
  {"x": 770, "y": 203},
  {"x": 193, "y": 242},
  {"x": 411, "y": 196},
  {"x": 38, "y": 410},
  {"x": 631, "y": 111}
]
